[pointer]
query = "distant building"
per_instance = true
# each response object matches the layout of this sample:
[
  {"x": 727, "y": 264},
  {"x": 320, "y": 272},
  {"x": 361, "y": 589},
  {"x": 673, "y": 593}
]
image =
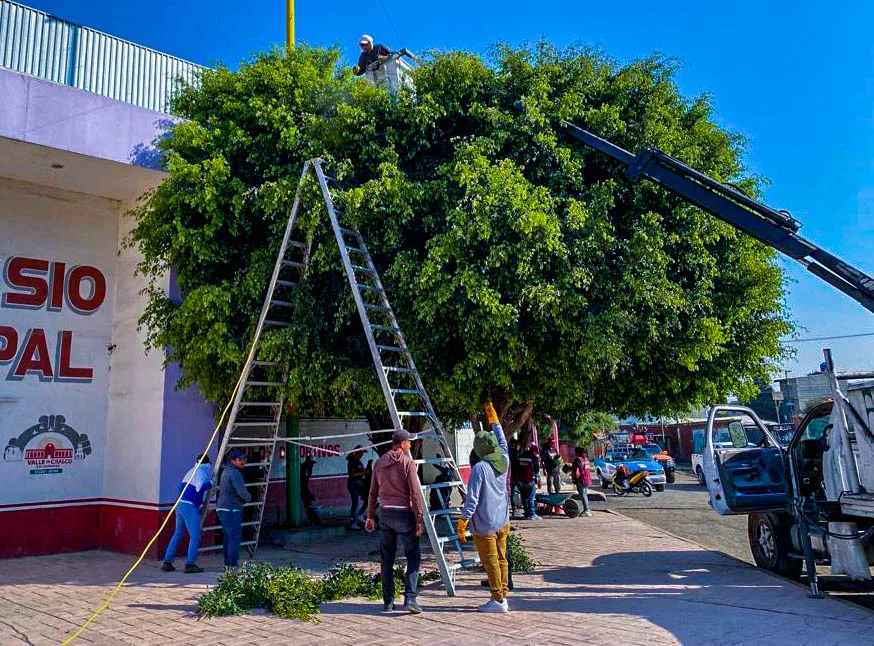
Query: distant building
[{"x": 800, "y": 394}]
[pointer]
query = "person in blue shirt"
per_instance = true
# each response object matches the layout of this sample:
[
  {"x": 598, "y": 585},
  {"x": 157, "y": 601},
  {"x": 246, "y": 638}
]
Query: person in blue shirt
[
  {"x": 487, "y": 509},
  {"x": 194, "y": 487}
]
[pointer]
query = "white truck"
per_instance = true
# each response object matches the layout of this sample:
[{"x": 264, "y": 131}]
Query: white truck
[{"x": 812, "y": 500}]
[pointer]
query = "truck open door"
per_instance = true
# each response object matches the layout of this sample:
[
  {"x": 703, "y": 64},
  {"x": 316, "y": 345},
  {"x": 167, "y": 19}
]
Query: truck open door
[{"x": 744, "y": 467}]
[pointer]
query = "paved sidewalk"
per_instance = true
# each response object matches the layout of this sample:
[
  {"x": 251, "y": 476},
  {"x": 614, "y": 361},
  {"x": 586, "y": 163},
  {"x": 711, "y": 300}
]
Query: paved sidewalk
[{"x": 604, "y": 579}]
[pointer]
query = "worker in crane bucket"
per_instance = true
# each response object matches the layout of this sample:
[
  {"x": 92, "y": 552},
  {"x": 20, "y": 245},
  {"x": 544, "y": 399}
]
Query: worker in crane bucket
[{"x": 370, "y": 56}]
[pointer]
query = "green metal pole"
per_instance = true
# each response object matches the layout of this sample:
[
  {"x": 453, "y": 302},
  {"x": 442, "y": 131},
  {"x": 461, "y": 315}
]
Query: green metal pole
[{"x": 293, "y": 509}]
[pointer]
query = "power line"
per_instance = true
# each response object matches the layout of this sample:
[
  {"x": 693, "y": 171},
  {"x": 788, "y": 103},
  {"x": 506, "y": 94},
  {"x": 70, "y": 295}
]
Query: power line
[
  {"x": 391, "y": 22},
  {"x": 830, "y": 338}
]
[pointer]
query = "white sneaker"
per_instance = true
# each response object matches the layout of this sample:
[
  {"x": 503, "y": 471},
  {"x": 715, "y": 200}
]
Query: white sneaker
[
  {"x": 587, "y": 513},
  {"x": 492, "y": 606},
  {"x": 506, "y": 605}
]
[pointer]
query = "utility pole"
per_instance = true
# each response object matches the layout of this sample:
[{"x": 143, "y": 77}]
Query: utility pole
[{"x": 289, "y": 24}]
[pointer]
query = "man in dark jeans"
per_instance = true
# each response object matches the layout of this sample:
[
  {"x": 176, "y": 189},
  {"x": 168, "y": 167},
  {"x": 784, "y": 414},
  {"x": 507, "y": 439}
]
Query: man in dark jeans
[
  {"x": 355, "y": 473},
  {"x": 529, "y": 469},
  {"x": 231, "y": 498},
  {"x": 396, "y": 485}
]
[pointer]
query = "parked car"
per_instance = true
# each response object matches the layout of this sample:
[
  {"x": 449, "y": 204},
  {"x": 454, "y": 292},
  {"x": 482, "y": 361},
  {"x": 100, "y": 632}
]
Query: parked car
[{"x": 605, "y": 468}]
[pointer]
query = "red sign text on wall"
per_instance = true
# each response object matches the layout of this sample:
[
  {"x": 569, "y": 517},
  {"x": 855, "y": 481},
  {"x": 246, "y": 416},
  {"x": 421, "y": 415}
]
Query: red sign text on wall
[{"x": 35, "y": 284}]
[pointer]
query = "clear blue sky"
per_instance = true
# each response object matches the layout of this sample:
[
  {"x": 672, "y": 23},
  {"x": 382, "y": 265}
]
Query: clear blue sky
[{"x": 795, "y": 77}]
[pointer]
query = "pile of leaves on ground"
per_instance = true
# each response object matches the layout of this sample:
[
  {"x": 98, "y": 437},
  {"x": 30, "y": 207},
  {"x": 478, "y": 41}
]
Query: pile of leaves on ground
[
  {"x": 288, "y": 591},
  {"x": 291, "y": 593},
  {"x": 521, "y": 558}
]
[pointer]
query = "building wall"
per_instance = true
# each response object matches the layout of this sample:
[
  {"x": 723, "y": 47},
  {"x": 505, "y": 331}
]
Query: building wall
[{"x": 55, "y": 388}]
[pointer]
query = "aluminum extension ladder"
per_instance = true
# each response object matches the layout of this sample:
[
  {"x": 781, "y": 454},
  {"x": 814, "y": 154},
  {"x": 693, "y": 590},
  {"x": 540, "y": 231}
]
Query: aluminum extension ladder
[{"x": 401, "y": 383}]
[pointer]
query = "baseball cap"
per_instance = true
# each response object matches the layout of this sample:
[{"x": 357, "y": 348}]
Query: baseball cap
[
  {"x": 235, "y": 454},
  {"x": 365, "y": 39},
  {"x": 400, "y": 435}
]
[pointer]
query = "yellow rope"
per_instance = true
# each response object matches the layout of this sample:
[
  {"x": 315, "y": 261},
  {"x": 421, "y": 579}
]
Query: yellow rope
[{"x": 151, "y": 542}]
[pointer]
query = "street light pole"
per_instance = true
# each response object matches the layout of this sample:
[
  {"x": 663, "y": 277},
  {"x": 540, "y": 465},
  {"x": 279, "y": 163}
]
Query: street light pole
[{"x": 289, "y": 24}]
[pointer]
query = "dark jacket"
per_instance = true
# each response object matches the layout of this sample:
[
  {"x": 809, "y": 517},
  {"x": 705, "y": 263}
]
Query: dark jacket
[
  {"x": 529, "y": 466},
  {"x": 232, "y": 490},
  {"x": 368, "y": 58}
]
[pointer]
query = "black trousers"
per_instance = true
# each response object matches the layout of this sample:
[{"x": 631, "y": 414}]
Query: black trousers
[{"x": 399, "y": 524}]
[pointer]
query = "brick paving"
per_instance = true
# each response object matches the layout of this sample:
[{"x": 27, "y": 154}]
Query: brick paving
[{"x": 604, "y": 579}]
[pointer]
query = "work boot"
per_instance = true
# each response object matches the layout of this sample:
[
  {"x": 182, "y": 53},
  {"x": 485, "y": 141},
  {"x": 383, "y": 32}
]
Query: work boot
[
  {"x": 412, "y": 607},
  {"x": 192, "y": 568},
  {"x": 167, "y": 566}
]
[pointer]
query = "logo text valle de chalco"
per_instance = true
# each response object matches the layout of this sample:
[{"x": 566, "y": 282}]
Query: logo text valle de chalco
[{"x": 35, "y": 284}]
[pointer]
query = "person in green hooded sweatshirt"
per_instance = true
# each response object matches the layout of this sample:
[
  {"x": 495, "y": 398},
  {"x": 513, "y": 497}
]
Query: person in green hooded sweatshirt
[{"x": 487, "y": 509}]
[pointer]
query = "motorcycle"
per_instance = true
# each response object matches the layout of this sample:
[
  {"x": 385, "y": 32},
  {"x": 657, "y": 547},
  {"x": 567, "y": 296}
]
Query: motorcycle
[{"x": 636, "y": 482}]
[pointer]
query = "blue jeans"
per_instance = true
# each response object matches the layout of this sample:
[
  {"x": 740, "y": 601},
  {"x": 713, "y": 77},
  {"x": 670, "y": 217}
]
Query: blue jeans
[
  {"x": 395, "y": 523},
  {"x": 355, "y": 495},
  {"x": 528, "y": 490},
  {"x": 232, "y": 527},
  {"x": 187, "y": 517},
  {"x": 584, "y": 494}
]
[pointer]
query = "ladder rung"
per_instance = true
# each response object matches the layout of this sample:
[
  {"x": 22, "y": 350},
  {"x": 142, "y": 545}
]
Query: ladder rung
[
  {"x": 443, "y": 485},
  {"x": 384, "y": 328},
  {"x": 258, "y": 503},
  {"x": 248, "y": 445},
  {"x": 414, "y": 413},
  {"x": 361, "y": 252},
  {"x": 390, "y": 348},
  {"x": 275, "y": 364},
  {"x": 295, "y": 243},
  {"x": 266, "y": 422},
  {"x": 286, "y": 283},
  {"x": 397, "y": 369},
  {"x": 445, "y": 512},
  {"x": 264, "y": 383},
  {"x": 218, "y": 547},
  {"x": 463, "y": 564},
  {"x": 256, "y": 484},
  {"x": 406, "y": 391},
  {"x": 368, "y": 306},
  {"x": 451, "y": 539},
  {"x": 212, "y": 528},
  {"x": 366, "y": 270},
  {"x": 292, "y": 263},
  {"x": 258, "y": 464},
  {"x": 277, "y": 323},
  {"x": 282, "y": 303}
]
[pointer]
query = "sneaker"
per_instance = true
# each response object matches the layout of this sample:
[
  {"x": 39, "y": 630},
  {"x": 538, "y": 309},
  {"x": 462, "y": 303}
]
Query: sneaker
[
  {"x": 167, "y": 566},
  {"x": 492, "y": 606},
  {"x": 506, "y": 605},
  {"x": 388, "y": 607},
  {"x": 587, "y": 514},
  {"x": 536, "y": 517},
  {"x": 355, "y": 525},
  {"x": 412, "y": 607},
  {"x": 191, "y": 568}
]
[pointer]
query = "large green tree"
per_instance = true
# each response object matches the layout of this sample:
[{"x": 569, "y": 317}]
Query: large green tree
[{"x": 521, "y": 265}]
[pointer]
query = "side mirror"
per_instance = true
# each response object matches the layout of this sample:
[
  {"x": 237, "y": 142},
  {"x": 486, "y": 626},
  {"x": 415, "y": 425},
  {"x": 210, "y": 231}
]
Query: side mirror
[{"x": 738, "y": 435}]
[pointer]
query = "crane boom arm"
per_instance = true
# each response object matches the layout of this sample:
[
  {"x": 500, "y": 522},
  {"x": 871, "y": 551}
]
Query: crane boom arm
[{"x": 774, "y": 228}]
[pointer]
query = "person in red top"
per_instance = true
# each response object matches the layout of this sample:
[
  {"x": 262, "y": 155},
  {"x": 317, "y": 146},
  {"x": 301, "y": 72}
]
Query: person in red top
[
  {"x": 582, "y": 476},
  {"x": 401, "y": 515}
]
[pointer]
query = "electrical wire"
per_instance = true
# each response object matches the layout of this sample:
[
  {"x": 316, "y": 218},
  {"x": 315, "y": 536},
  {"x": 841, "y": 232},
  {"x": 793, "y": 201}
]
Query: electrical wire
[
  {"x": 391, "y": 22},
  {"x": 830, "y": 338}
]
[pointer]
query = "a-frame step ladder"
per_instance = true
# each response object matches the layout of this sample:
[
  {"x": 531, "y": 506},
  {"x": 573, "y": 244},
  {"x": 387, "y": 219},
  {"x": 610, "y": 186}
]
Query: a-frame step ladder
[{"x": 401, "y": 383}]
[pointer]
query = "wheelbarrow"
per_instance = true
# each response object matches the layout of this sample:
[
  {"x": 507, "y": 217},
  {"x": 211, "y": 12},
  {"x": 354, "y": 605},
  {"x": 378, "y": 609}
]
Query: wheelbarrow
[{"x": 568, "y": 502}]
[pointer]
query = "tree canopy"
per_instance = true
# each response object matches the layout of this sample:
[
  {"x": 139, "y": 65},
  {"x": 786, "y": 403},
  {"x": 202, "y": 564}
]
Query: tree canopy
[{"x": 521, "y": 265}]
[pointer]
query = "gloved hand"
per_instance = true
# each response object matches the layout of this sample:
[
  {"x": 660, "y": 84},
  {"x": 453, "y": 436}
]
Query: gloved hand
[
  {"x": 491, "y": 414},
  {"x": 356, "y": 70},
  {"x": 461, "y": 529}
]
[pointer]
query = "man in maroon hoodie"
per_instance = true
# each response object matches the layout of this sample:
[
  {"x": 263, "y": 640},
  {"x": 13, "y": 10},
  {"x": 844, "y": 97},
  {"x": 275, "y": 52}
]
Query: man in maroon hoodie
[{"x": 396, "y": 484}]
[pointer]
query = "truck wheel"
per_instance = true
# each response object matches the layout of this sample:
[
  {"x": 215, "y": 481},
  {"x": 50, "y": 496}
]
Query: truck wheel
[
  {"x": 671, "y": 478},
  {"x": 700, "y": 473},
  {"x": 660, "y": 487},
  {"x": 770, "y": 544}
]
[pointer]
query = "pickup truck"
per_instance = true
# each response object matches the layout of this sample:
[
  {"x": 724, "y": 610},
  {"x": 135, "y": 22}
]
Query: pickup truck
[{"x": 812, "y": 500}]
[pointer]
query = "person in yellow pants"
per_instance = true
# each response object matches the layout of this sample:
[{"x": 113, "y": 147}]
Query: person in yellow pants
[{"x": 487, "y": 509}]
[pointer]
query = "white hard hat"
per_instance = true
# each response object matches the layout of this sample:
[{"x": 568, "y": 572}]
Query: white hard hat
[{"x": 365, "y": 39}]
